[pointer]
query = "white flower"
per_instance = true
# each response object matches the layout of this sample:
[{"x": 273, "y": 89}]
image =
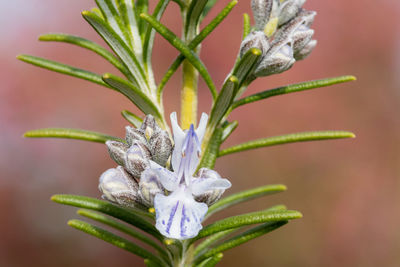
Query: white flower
[{"x": 178, "y": 214}]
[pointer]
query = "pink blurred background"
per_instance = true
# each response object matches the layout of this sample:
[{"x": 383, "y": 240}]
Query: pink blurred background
[{"x": 348, "y": 190}]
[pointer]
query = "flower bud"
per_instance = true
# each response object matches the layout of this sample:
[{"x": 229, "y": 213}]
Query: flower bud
[
  {"x": 211, "y": 196},
  {"x": 117, "y": 151},
  {"x": 160, "y": 147},
  {"x": 149, "y": 187},
  {"x": 289, "y": 9},
  {"x": 278, "y": 59},
  {"x": 133, "y": 135},
  {"x": 119, "y": 187},
  {"x": 306, "y": 51},
  {"x": 149, "y": 126},
  {"x": 298, "y": 30},
  {"x": 261, "y": 12},
  {"x": 256, "y": 39},
  {"x": 137, "y": 159}
]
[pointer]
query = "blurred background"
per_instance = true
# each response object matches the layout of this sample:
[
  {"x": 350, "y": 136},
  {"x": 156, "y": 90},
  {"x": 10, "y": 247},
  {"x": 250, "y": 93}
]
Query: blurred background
[{"x": 348, "y": 190}]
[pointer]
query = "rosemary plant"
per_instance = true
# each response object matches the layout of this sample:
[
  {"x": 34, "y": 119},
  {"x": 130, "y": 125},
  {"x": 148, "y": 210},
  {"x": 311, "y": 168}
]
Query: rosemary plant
[{"x": 164, "y": 185}]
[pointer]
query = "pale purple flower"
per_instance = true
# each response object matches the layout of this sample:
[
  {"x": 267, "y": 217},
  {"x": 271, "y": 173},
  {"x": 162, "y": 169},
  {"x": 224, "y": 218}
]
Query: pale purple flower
[{"x": 178, "y": 214}]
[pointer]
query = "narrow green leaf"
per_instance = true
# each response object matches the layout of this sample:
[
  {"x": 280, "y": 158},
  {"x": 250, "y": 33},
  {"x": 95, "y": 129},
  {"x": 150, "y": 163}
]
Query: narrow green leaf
[
  {"x": 62, "y": 68},
  {"x": 109, "y": 209},
  {"x": 137, "y": 97},
  {"x": 211, "y": 240},
  {"x": 242, "y": 238},
  {"x": 85, "y": 43},
  {"x": 119, "y": 47},
  {"x": 246, "y": 25},
  {"x": 113, "y": 239},
  {"x": 114, "y": 19},
  {"x": 286, "y": 139},
  {"x": 97, "y": 11},
  {"x": 183, "y": 48},
  {"x": 246, "y": 65},
  {"x": 132, "y": 118},
  {"x": 228, "y": 130},
  {"x": 149, "y": 35},
  {"x": 223, "y": 101},
  {"x": 245, "y": 196},
  {"x": 208, "y": 7},
  {"x": 71, "y": 134},
  {"x": 211, "y": 151},
  {"x": 247, "y": 219},
  {"x": 141, "y": 6},
  {"x": 193, "y": 44},
  {"x": 194, "y": 12},
  {"x": 292, "y": 89},
  {"x": 150, "y": 263},
  {"x": 127, "y": 9},
  {"x": 123, "y": 228},
  {"x": 212, "y": 261}
]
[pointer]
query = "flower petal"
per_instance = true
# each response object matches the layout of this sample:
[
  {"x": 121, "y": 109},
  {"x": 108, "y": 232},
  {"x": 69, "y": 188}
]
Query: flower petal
[
  {"x": 167, "y": 178},
  {"x": 202, "y": 185},
  {"x": 179, "y": 137},
  {"x": 178, "y": 215},
  {"x": 201, "y": 128}
]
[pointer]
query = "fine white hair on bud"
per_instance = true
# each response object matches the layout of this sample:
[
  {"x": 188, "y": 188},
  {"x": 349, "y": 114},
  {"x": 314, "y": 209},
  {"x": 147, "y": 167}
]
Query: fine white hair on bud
[
  {"x": 119, "y": 187},
  {"x": 261, "y": 12},
  {"x": 256, "y": 39}
]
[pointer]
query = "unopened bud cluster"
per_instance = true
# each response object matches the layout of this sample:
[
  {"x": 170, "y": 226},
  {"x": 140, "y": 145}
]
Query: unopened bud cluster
[
  {"x": 282, "y": 33},
  {"x": 148, "y": 148}
]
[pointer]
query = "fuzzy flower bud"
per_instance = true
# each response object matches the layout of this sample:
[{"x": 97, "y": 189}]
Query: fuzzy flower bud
[
  {"x": 289, "y": 9},
  {"x": 306, "y": 51},
  {"x": 278, "y": 59},
  {"x": 211, "y": 196},
  {"x": 160, "y": 147},
  {"x": 119, "y": 187},
  {"x": 256, "y": 39},
  {"x": 262, "y": 12},
  {"x": 137, "y": 159},
  {"x": 117, "y": 151}
]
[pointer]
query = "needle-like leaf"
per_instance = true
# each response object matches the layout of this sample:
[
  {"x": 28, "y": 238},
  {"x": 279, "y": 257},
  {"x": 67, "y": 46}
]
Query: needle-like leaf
[
  {"x": 123, "y": 228},
  {"x": 241, "y": 238},
  {"x": 62, "y": 68},
  {"x": 247, "y": 219},
  {"x": 107, "y": 208},
  {"x": 119, "y": 47},
  {"x": 246, "y": 25},
  {"x": 210, "y": 153},
  {"x": 223, "y": 101},
  {"x": 292, "y": 89},
  {"x": 132, "y": 118},
  {"x": 127, "y": 9},
  {"x": 286, "y": 139},
  {"x": 211, "y": 240},
  {"x": 245, "y": 196},
  {"x": 228, "y": 129},
  {"x": 114, "y": 19},
  {"x": 114, "y": 239},
  {"x": 138, "y": 97},
  {"x": 85, "y": 43},
  {"x": 212, "y": 261},
  {"x": 194, "y": 12},
  {"x": 183, "y": 48},
  {"x": 71, "y": 134}
]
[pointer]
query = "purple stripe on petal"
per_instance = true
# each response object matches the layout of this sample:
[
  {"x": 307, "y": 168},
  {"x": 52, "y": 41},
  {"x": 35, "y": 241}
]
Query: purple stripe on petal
[{"x": 171, "y": 217}]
